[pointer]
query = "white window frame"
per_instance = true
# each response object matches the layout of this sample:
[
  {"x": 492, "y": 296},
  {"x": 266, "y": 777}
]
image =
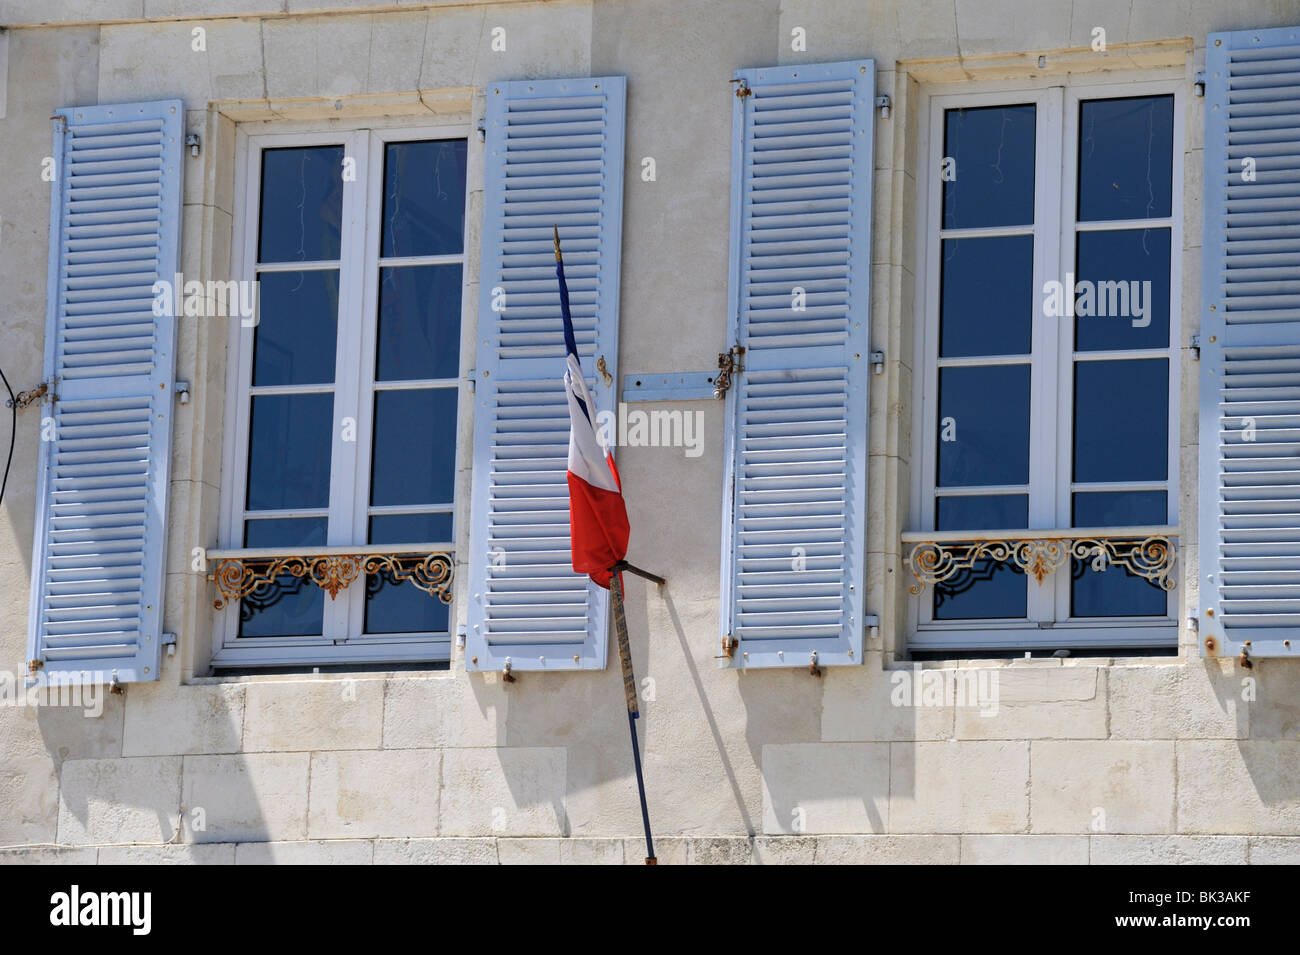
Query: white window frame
[
  {"x": 1047, "y": 622},
  {"x": 342, "y": 640}
]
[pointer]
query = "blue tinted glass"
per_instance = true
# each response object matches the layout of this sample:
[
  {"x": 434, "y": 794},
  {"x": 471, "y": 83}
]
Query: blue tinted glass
[
  {"x": 424, "y": 198},
  {"x": 411, "y": 529},
  {"x": 1126, "y": 158},
  {"x": 291, "y": 606},
  {"x": 984, "y": 512},
  {"x": 983, "y": 425},
  {"x": 987, "y": 299},
  {"x": 1118, "y": 508},
  {"x": 419, "y": 322},
  {"x": 415, "y": 447},
  {"x": 991, "y": 179},
  {"x": 394, "y": 606},
  {"x": 289, "y": 451},
  {"x": 989, "y": 588},
  {"x": 1123, "y": 290},
  {"x": 302, "y": 204},
  {"x": 297, "y": 328},
  {"x": 1121, "y": 420},
  {"x": 1113, "y": 592}
]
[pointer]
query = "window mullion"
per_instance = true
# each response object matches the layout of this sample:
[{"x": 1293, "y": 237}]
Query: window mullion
[
  {"x": 1045, "y": 407},
  {"x": 369, "y": 332},
  {"x": 349, "y": 427}
]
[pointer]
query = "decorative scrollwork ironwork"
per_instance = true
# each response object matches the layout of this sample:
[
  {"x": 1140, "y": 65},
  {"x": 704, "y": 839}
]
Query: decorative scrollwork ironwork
[
  {"x": 240, "y": 577},
  {"x": 1152, "y": 558}
]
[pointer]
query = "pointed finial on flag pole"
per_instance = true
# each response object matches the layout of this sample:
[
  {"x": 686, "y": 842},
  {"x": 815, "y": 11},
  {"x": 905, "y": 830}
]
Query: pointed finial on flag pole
[{"x": 557, "y": 243}]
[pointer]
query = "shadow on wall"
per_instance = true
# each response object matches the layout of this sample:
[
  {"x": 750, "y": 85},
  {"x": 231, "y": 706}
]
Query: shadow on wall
[{"x": 121, "y": 778}]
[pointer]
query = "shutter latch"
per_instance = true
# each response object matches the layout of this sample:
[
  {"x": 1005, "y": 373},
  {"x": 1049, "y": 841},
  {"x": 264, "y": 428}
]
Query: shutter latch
[
  {"x": 729, "y": 363},
  {"x": 25, "y": 398},
  {"x": 742, "y": 88}
]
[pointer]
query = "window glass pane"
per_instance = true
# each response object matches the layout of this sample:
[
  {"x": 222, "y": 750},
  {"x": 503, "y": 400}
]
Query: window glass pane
[
  {"x": 415, "y": 447},
  {"x": 1118, "y": 508},
  {"x": 1125, "y": 158},
  {"x": 394, "y": 606},
  {"x": 292, "y": 606},
  {"x": 1113, "y": 592},
  {"x": 1121, "y": 420},
  {"x": 990, "y": 588},
  {"x": 983, "y": 512},
  {"x": 411, "y": 528},
  {"x": 419, "y": 322},
  {"x": 1123, "y": 290},
  {"x": 983, "y": 425},
  {"x": 991, "y": 179},
  {"x": 302, "y": 204},
  {"x": 424, "y": 198},
  {"x": 297, "y": 328},
  {"x": 289, "y": 451},
  {"x": 987, "y": 299}
]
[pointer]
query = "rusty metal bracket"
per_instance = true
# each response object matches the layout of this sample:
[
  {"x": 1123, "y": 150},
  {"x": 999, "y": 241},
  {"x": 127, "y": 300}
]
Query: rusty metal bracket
[
  {"x": 730, "y": 363},
  {"x": 813, "y": 668},
  {"x": 742, "y": 88},
  {"x": 729, "y": 644},
  {"x": 25, "y": 398}
]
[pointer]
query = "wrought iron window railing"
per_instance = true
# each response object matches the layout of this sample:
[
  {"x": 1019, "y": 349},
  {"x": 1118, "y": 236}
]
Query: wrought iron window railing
[
  {"x": 1150, "y": 552},
  {"x": 258, "y": 571}
]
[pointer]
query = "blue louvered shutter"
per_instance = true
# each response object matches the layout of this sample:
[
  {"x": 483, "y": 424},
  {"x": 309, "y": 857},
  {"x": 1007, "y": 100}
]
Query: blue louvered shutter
[
  {"x": 795, "y": 515},
  {"x": 554, "y": 157},
  {"x": 1249, "y": 520},
  {"x": 101, "y": 519}
]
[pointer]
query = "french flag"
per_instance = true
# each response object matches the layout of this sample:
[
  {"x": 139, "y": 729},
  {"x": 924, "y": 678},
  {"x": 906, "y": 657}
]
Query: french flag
[{"x": 598, "y": 527}]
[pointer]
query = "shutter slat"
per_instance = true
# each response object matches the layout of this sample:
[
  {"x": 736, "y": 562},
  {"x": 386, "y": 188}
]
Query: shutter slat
[
  {"x": 1250, "y": 367},
  {"x": 554, "y": 157}
]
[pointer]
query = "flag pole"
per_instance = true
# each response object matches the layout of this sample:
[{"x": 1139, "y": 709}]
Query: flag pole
[
  {"x": 633, "y": 711},
  {"x": 616, "y": 579}
]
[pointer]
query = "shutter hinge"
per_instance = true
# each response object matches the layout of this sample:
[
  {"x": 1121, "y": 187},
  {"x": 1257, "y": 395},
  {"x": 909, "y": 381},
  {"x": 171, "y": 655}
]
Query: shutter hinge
[
  {"x": 1198, "y": 85},
  {"x": 1196, "y": 348},
  {"x": 192, "y": 140},
  {"x": 742, "y": 88},
  {"x": 877, "y": 359},
  {"x": 33, "y": 666},
  {"x": 471, "y": 380},
  {"x": 883, "y": 102},
  {"x": 169, "y": 641},
  {"x": 730, "y": 363},
  {"x": 729, "y": 644},
  {"x": 813, "y": 668},
  {"x": 25, "y": 398}
]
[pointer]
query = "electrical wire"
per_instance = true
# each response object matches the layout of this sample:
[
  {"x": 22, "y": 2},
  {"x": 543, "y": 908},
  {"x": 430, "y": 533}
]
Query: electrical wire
[{"x": 13, "y": 433}]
